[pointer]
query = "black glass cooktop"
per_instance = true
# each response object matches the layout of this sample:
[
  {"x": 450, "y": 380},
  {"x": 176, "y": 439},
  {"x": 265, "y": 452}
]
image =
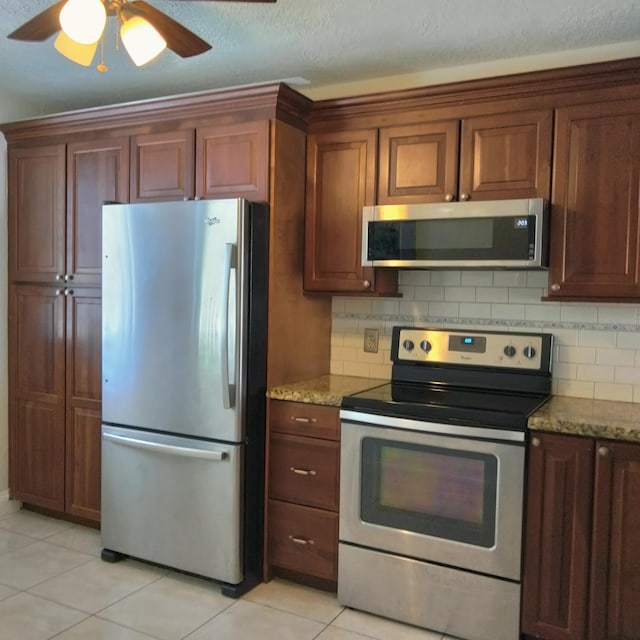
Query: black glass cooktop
[{"x": 447, "y": 404}]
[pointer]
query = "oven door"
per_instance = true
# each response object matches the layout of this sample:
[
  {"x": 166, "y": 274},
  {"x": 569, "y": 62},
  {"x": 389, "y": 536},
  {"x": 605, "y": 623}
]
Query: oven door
[{"x": 437, "y": 492}]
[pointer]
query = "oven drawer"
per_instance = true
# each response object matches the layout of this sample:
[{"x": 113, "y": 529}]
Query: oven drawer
[
  {"x": 302, "y": 419},
  {"x": 303, "y": 539},
  {"x": 304, "y": 470}
]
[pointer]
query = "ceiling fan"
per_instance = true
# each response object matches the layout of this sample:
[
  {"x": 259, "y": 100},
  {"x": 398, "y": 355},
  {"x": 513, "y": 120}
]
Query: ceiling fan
[{"x": 143, "y": 26}]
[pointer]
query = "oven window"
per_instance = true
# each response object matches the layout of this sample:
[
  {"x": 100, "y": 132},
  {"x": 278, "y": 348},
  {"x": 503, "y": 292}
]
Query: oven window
[{"x": 430, "y": 490}]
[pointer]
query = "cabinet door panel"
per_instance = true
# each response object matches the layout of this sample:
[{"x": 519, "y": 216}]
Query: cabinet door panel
[
  {"x": 559, "y": 494},
  {"x": 36, "y": 213},
  {"x": 418, "y": 163},
  {"x": 232, "y": 161},
  {"x": 83, "y": 463},
  {"x": 614, "y": 611},
  {"x": 36, "y": 388},
  {"x": 506, "y": 156},
  {"x": 97, "y": 171},
  {"x": 596, "y": 202},
  {"x": 340, "y": 181},
  {"x": 162, "y": 166}
]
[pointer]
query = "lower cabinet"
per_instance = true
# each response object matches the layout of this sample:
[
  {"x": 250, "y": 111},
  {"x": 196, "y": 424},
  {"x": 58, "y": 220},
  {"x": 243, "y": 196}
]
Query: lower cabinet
[
  {"x": 581, "y": 576},
  {"x": 303, "y": 490},
  {"x": 55, "y": 388}
]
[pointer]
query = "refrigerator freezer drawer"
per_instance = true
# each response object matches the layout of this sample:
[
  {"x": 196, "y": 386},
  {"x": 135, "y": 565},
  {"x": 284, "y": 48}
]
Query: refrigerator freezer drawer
[{"x": 172, "y": 500}]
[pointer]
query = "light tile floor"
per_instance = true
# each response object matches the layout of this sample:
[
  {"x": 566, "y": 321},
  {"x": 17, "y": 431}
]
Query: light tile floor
[{"x": 54, "y": 585}]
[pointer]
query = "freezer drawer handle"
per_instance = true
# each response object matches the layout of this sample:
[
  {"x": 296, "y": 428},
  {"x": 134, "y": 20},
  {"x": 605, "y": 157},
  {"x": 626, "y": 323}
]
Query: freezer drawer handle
[
  {"x": 166, "y": 448},
  {"x": 228, "y": 389}
]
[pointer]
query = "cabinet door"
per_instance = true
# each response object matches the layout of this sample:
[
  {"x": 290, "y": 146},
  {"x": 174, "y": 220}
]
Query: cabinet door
[
  {"x": 341, "y": 170},
  {"x": 97, "y": 171},
  {"x": 506, "y": 156},
  {"x": 36, "y": 388},
  {"x": 614, "y": 611},
  {"x": 36, "y": 213},
  {"x": 596, "y": 202},
  {"x": 418, "y": 163},
  {"x": 162, "y": 166},
  {"x": 232, "y": 161},
  {"x": 83, "y": 394},
  {"x": 559, "y": 495}
]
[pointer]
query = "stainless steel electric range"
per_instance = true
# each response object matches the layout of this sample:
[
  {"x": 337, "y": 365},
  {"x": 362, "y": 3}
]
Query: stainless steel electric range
[{"x": 432, "y": 480}]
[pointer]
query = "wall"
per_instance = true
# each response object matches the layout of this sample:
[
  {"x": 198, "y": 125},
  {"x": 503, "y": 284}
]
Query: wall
[{"x": 597, "y": 346}]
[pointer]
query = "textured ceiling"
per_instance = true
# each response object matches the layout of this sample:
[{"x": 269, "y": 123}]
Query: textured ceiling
[{"x": 324, "y": 42}]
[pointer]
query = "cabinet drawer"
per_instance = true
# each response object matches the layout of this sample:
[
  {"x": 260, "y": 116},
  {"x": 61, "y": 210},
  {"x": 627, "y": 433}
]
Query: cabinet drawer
[
  {"x": 304, "y": 470},
  {"x": 303, "y": 539},
  {"x": 302, "y": 419}
]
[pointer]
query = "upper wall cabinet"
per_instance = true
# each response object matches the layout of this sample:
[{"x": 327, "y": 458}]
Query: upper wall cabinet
[
  {"x": 487, "y": 157},
  {"x": 55, "y": 208},
  {"x": 596, "y": 202},
  {"x": 341, "y": 176},
  {"x": 217, "y": 161}
]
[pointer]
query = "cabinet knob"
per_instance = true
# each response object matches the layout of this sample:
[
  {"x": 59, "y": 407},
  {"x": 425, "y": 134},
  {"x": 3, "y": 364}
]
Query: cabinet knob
[
  {"x": 603, "y": 452},
  {"x": 366, "y": 284},
  {"x": 555, "y": 287},
  {"x": 464, "y": 196},
  {"x": 302, "y": 472},
  {"x": 535, "y": 442},
  {"x": 301, "y": 540},
  {"x": 448, "y": 197}
]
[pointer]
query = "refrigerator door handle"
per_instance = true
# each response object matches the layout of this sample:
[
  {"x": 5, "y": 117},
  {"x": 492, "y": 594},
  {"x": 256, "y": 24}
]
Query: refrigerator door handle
[
  {"x": 166, "y": 448},
  {"x": 228, "y": 389}
]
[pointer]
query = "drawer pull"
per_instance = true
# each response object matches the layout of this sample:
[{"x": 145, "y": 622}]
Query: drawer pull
[
  {"x": 302, "y": 419},
  {"x": 303, "y": 472},
  {"x": 299, "y": 540}
]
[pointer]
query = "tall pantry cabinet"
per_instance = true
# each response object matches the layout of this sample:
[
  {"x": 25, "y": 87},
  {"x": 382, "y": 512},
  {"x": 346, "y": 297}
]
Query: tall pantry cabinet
[{"x": 238, "y": 143}]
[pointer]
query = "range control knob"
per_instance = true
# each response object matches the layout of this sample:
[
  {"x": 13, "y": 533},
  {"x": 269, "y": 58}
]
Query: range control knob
[
  {"x": 529, "y": 352},
  {"x": 408, "y": 345},
  {"x": 509, "y": 351},
  {"x": 425, "y": 345}
]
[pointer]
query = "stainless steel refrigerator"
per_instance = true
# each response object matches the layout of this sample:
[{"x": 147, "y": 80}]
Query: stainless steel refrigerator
[{"x": 184, "y": 332}]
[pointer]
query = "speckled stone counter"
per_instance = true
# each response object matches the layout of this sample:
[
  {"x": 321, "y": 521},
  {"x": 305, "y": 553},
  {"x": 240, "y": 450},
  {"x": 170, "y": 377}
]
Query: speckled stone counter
[
  {"x": 328, "y": 390},
  {"x": 596, "y": 418}
]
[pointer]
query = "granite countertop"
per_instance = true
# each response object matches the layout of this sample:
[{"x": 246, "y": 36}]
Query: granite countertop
[
  {"x": 596, "y": 418},
  {"x": 328, "y": 390}
]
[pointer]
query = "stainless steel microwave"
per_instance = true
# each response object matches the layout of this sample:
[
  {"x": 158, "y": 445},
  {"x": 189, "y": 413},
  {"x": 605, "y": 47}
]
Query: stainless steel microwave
[{"x": 492, "y": 234}]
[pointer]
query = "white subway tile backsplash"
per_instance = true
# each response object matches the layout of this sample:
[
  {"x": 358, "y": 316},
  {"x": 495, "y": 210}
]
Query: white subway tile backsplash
[
  {"x": 595, "y": 373},
  {"x": 597, "y": 346},
  {"x": 615, "y": 357},
  {"x": 507, "y": 311},
  {"x": 460, "y": 294},
  {"x": 607, "y": 391},
  {"x": 494, "y": 294},
  {"x": 476, "y": 278}
]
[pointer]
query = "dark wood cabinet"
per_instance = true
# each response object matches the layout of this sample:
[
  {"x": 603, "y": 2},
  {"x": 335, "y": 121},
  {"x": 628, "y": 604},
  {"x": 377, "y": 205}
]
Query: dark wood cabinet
[
  {"x": 596, "y": 202},
  {"x": 216, "y": 161},
  {"x": 55, "y": 320},
  {"x": 582, "y": 565},
  {"x": 36, "y": 195},
  {"x": 487, "y": 157},
  {"x": 303, "y": 492},
  {"x": 341, "y": 179},
  {"x": 162, "y": 166}
]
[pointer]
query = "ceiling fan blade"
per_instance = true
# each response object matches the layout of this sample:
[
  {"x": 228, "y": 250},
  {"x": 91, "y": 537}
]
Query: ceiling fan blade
[
  {"x": 179, "y": 39},
  {"x": 45, "y": 24}
]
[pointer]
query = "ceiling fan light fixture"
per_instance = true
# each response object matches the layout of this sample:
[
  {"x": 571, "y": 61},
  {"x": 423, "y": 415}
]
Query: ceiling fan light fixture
[
  {"x": 75, "y": 51},
  {"x": 141, "y": 40},
  {"x": 83, "y": 20}
]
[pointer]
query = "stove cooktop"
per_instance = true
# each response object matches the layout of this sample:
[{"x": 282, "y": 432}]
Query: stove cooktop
[{"x": 434, "y": 403}]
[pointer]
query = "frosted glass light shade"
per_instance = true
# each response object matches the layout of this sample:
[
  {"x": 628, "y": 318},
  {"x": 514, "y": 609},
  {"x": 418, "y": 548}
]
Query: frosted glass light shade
[
  {"x": 78, "y": 53},
  {"x": 83, "y": 20},
  {"x": 141, "y": 40}
]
